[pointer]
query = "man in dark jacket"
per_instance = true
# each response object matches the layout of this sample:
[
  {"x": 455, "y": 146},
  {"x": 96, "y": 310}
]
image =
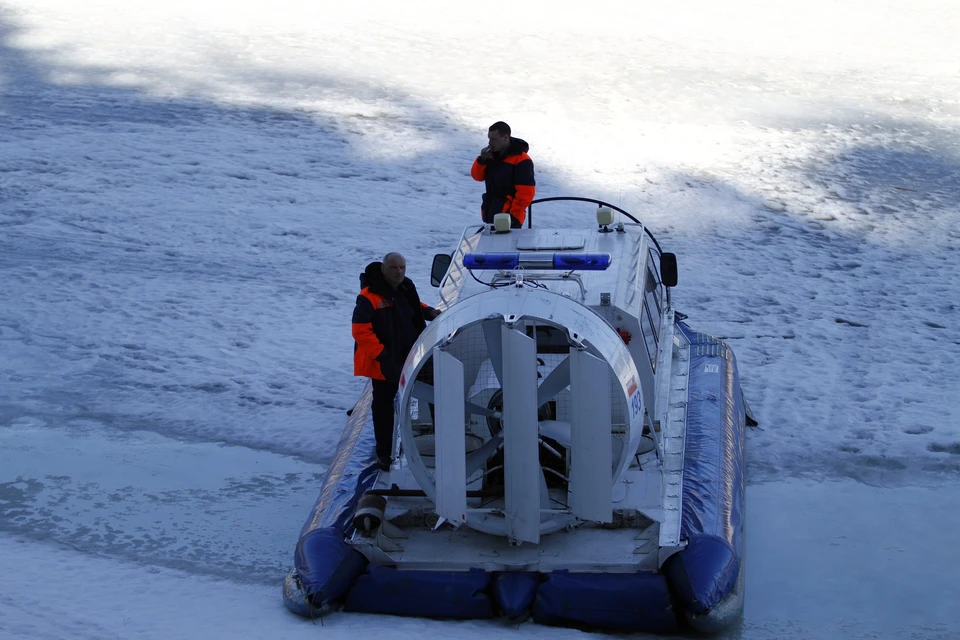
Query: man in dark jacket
[
  {"x": 387, "y": 319},
  {"x": 507, "y": 171}
]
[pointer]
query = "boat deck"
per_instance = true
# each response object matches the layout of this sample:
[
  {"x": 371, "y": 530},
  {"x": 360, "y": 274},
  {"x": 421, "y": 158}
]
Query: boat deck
[
  {"x": 411, "y": 539},
  {"x": 623, "y": 550}
]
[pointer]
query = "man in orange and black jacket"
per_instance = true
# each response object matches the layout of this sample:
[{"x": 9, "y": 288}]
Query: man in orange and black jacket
[
  {"x": 507, "y": 171},
  {"x": 387, "y": 319}
]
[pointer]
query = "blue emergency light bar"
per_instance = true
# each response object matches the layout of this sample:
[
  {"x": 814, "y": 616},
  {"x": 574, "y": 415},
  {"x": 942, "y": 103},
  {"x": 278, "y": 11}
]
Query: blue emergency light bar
[{"x": 543, "y": 261}]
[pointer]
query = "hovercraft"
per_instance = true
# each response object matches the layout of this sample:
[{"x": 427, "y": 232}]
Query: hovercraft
[{"x": 568, "y": 449}]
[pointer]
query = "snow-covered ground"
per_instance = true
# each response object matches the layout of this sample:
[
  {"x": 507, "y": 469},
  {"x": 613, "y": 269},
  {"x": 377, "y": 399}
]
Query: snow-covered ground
[{"x": 189, "y": 191}]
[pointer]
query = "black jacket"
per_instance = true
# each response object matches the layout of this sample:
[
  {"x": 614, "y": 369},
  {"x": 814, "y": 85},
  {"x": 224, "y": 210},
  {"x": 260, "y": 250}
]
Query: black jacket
[
  {"x": 386, "y": 323},
  {"x": 509, "y": 179}
]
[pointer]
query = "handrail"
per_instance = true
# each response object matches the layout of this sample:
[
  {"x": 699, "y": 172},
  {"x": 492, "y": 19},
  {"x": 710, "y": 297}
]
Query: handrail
[{"x": 599, "y": 203}]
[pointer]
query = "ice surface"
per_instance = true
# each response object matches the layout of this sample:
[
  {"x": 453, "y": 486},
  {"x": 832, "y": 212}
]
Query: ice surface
[{"x": 189, "y": 191}]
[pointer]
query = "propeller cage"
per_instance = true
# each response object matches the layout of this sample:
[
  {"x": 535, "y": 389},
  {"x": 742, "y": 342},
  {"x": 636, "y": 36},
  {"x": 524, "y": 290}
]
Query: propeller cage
[{"x": 534, "y": 407}]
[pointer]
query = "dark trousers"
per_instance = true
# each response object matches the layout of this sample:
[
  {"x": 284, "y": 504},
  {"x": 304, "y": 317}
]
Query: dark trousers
[{"x": 383, "y": 394}]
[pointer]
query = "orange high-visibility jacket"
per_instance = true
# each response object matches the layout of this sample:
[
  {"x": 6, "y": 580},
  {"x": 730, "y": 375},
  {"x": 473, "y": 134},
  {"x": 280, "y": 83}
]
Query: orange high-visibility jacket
[
  {"x": 382, "y": 337},
  {"x": 509, "y": 180}
]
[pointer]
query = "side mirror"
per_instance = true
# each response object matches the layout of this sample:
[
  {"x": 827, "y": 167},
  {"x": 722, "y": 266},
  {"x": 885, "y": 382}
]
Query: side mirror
[
  {"x": 668, "y": 269},
  {"x": 441, "y": 262}
]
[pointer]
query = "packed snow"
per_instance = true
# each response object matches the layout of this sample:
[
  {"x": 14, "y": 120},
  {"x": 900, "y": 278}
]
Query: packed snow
[{"x": 190, "y": 190}]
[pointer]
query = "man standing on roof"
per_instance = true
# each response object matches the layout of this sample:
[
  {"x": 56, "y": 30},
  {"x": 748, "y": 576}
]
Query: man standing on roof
[
  {"x": 387, "y": 319},
  {"x": 507, "y": 171}
]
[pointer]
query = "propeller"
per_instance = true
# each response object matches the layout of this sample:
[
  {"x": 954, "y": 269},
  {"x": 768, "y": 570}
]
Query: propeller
[{"x": 586, "y": 437}]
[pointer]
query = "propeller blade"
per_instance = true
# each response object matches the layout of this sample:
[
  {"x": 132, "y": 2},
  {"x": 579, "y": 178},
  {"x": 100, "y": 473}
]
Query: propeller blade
[
  {"x": 476, "y": 459},
  {"x": 424, "y": 392},
  {"x": 476, "y": 409},
  {"x": 555, "y": 382},
  {"x": 556, "y": 430}
]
